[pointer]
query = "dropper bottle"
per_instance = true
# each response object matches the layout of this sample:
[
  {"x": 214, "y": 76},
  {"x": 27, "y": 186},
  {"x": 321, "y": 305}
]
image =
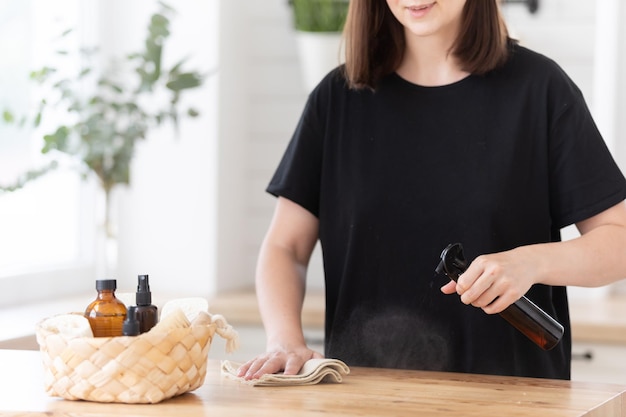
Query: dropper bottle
[
  {"x": 106, "y": 313},
  {"x": 147, "y": 313},
  {"x": 131, "y": 324}
]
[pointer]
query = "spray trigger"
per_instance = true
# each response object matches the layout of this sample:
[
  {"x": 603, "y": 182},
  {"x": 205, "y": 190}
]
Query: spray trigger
[{"x": 452, "y": 261}]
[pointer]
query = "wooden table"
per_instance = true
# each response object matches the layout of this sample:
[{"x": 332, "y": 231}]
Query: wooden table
[
  {"x": 599, "y": 320},
  {"x": 365, "y": 392}
]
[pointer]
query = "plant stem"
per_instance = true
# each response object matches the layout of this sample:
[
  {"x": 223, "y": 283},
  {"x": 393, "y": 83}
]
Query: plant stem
[{"x": 109, "y": 233}]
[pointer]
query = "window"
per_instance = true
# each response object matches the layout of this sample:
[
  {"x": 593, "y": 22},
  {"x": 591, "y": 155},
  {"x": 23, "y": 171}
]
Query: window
[{"x": 43, "y": 225}]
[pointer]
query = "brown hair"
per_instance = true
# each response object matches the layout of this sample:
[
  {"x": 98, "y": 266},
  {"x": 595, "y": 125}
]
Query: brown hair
[{"x": 375, "y": 40}]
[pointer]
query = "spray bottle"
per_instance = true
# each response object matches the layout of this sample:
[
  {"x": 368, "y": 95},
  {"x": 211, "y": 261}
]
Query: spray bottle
[
  {"x": 147, "y": 313},
  {"x": 524, "y": 315}
]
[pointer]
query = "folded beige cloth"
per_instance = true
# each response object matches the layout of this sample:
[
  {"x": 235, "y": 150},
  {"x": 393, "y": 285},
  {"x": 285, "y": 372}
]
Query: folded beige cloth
[{"x": 313, "y": 372}]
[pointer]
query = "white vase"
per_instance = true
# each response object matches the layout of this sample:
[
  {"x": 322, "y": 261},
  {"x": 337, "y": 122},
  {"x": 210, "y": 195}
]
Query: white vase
[{"x": 319, "y": 53}]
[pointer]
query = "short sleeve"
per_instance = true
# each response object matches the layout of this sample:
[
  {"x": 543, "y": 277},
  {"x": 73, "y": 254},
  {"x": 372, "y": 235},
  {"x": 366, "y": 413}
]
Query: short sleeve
[
  {"x": 298, "y": 176},
  {"x": 585, "y": 179}
]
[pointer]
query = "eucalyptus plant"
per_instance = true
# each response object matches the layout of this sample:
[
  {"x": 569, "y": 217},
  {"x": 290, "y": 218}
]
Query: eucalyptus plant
[
  {"x": 109, "y": 111},
  {"x": 319, "y": 15}
]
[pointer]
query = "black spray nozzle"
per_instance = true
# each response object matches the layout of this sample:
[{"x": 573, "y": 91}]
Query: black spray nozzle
[
  {"x": 143, "y": 297},
  {"x": 452, "y": 262}
]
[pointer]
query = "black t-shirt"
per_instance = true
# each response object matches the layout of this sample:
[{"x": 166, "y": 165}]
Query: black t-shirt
[{"x": 396, "y": 174}]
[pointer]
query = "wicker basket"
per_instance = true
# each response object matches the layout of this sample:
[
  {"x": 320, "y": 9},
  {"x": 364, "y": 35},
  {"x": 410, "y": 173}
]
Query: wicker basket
[{"x": 148, "y": 368}]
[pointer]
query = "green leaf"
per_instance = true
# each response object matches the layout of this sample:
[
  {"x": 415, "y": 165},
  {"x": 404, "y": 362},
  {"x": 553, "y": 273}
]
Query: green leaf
[
  {"x": 29, "y": 176},
  {"x": 176, "y": 68},
  {"x": 319, "y": 15},
  {"x": 184, "y": 81},
  {"x": 62, "y": 84},
  {"x": 166, "y": 7},
  {"x": 42, "y": 74},
  {"x": 153, "y": 51},
  {"x": 84, "y": 72},
  {"x": 37, "y": 120},
  {"x": 58, "y": 140},
  {"x": 8, "y": 117},
  {"x": 159, "y": 26},
  {"x": 109, "y": 84}
]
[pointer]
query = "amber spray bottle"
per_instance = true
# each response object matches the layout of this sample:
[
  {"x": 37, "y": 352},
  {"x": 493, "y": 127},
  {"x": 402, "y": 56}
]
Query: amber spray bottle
[
  {"x": 524, "y": 315},
  {"x": 147, "y": 313}
]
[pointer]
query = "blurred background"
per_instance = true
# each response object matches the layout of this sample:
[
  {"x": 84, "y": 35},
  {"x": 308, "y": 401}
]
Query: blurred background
[
  {"x": 194, "y": 212},
  {"x": 186, "y": 202}
]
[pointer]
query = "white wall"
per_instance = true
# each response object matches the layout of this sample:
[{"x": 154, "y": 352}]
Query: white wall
[
  {"x": 564, "y": 30},
  {"x": 168, "y": 217},
  {"x": 610, "y": 83},
  {"x": 609, "y": 80},
  {"x": 205, "y": 236},
  {"x": 260, "y": 102},
  {"x": 620, "y": 87}
]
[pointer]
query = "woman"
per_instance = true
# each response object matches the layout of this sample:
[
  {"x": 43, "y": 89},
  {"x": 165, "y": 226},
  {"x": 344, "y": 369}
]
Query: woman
[{"x": 439, "y": 129}]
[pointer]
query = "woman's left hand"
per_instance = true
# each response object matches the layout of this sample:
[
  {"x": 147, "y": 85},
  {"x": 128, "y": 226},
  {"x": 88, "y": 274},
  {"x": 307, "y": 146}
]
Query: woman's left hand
[{"x": 495, "y": 281}]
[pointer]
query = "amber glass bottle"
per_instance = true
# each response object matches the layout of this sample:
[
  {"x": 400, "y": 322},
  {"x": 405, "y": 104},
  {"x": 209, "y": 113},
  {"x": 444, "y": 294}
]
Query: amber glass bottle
[{"x": 106, "y": 313}]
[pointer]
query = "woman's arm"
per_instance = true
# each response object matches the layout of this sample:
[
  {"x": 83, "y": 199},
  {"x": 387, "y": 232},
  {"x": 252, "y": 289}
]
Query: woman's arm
[
  {"x": 280, "y": 287},
  {"x": 596, "y": 258}
]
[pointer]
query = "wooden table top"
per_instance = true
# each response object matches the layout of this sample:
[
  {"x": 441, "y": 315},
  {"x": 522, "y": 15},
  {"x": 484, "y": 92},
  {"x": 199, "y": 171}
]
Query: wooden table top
[
  {"x": 599, "y": 320},
  {"x": 365, "y": 392}
]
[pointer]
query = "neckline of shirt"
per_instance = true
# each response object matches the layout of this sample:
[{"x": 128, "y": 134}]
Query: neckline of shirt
[{"x": 433, "y": 88}]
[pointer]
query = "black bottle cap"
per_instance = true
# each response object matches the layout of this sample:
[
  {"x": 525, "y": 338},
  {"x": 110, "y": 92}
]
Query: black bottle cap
[
  {"x": 143, "y": 297},
  {"x": 130, "y": 327},
  {"x": 106, "y": 284}
]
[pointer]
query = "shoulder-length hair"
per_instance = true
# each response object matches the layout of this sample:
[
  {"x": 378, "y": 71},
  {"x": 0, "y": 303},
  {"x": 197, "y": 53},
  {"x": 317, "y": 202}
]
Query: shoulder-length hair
[{"x": 374, "y": 40}]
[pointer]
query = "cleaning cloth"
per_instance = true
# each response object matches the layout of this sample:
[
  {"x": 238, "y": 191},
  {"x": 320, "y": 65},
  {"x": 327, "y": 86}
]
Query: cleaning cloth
[{"x": 313, "y": 372}]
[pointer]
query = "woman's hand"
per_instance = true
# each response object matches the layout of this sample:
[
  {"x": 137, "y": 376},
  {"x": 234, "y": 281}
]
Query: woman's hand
[
  {"x": 495, "y": 281},
  {"x": 280, "y": 289},
  {"x": 288, "y": 360}
]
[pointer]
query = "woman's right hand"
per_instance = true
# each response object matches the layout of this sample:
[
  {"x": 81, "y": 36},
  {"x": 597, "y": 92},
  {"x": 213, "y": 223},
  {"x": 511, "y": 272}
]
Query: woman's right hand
[{"x": 288, "y": 360}]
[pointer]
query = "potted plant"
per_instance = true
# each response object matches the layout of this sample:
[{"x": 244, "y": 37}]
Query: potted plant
[
  {"x": 318, "y": 25},
  {"x": 101, "y": 113}
]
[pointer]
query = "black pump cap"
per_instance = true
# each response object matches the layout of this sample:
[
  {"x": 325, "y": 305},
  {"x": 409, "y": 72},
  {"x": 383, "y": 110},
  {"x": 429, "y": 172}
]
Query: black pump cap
[
  {"x": 130, "y": 327},
  {"x": 143, "y": 297},
  {"x": 106, "y": 284}
]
